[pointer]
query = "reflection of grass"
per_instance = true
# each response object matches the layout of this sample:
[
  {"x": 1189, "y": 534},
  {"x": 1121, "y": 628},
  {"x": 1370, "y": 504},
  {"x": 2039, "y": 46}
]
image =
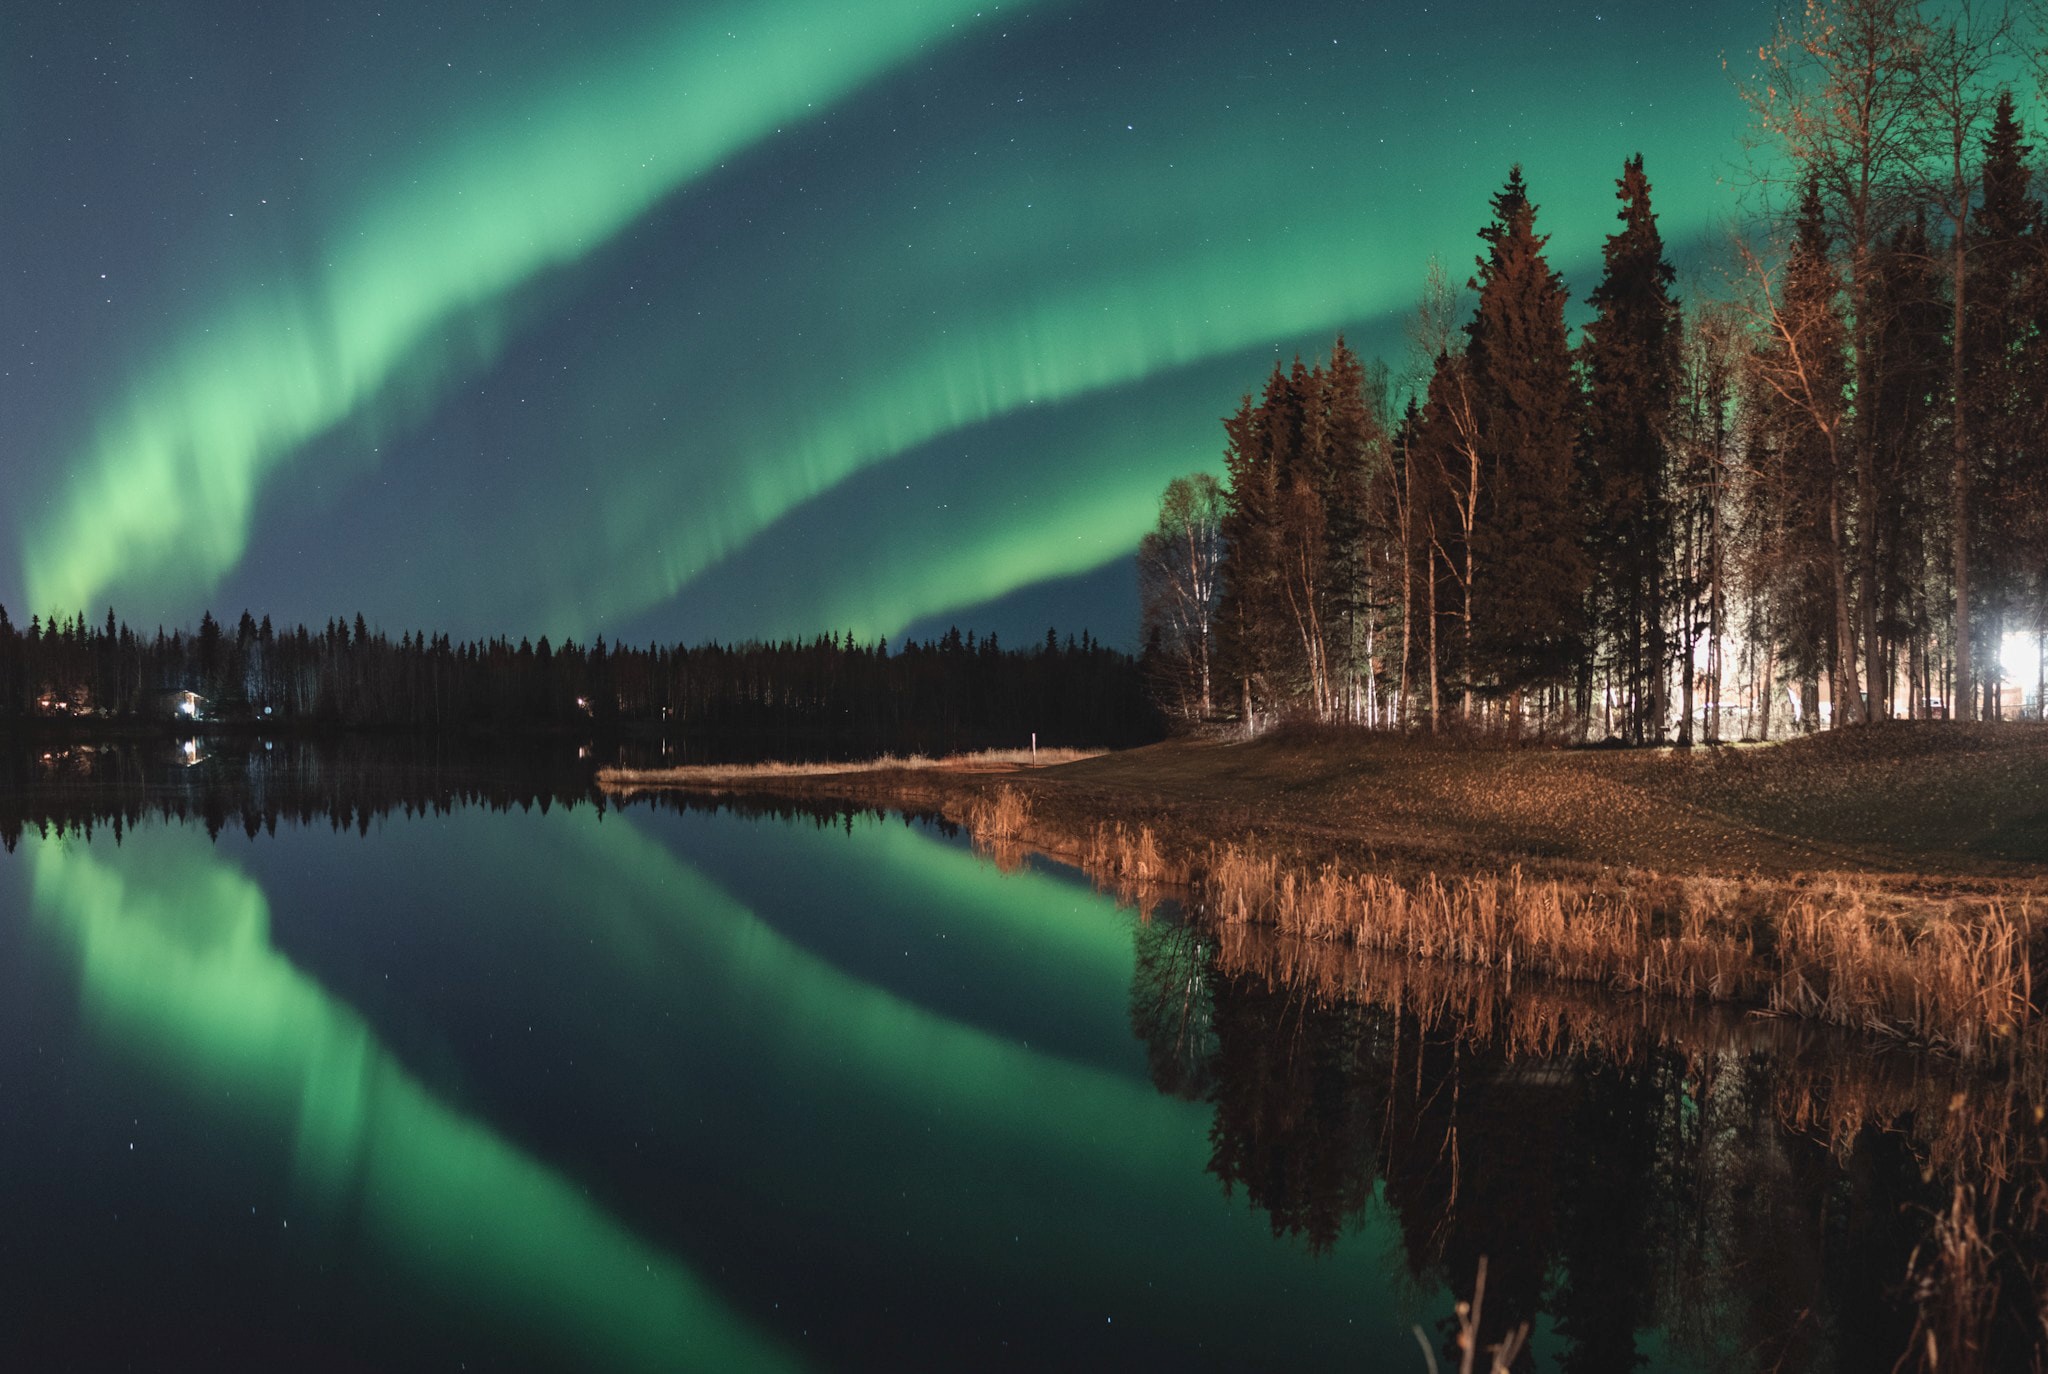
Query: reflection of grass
[
  {"x": 1978, "y": 1274},
  {"x": 1958, "y": 1119},
  {"x": 1929, "y": 963}
]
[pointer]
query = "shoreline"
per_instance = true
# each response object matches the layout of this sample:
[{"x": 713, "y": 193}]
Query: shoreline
[{"x": 1775, "y": 890}]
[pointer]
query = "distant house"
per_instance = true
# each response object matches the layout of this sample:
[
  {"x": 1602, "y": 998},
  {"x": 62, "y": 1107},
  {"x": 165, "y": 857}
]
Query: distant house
[{"x": 176, "y": 703}]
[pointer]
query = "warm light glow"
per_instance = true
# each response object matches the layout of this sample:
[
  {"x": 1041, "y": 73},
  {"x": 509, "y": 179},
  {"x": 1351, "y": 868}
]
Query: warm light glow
[{"x": 2019, "y": 657}]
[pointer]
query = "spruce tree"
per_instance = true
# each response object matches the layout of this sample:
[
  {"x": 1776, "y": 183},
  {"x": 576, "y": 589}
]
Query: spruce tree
[
  {"x": 1995, "y": 489},
  {"x": 1530, "y": 569},
  {"x": 1632, "y": 368},
  {"x": 1249, "y": 607},
  {"x": 1354, "y": 438},
  {"x": 1910, "y": 368}
]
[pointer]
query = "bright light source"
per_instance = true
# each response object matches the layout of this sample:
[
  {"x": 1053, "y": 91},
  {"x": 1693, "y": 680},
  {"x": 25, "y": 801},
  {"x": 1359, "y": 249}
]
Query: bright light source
[{"x": 2020, "y": 657}]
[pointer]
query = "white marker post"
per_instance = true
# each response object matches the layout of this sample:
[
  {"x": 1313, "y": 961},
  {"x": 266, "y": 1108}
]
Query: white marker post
[{"x": 1034, "y": 749}]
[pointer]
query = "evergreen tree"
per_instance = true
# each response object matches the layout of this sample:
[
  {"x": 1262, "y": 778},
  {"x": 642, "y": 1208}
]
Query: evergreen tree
[
  {"x": 1632, "y": 366},
  {"x": 1249, "y": 614},
  {"x": 1354, "y": 432},
  {"x": 1531, "y": 572},
  {"x": 1910, "y": 372},
  {"x": 1996, "y": 488}
]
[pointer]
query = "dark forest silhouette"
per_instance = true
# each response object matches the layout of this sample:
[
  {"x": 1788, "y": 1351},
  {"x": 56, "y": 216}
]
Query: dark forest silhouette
[{"x": 830, "y": 693}]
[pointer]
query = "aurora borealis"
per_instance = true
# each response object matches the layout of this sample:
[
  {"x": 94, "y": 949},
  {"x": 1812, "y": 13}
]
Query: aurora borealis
[
  {"x": 748, "y": 319},
  {"x": 433, "y": 1080}
]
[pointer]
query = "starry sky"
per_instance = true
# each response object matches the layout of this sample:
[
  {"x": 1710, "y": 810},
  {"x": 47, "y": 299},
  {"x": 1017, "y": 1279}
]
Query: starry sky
[{"x": 743, "y": 319}]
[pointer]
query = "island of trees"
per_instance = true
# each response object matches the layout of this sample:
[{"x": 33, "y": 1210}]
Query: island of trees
[{"x": 1817, "y": 497}]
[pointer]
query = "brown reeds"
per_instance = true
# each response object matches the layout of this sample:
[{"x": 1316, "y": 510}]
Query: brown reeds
[
  {"x": 1955, "y": 1287},
  {"x": 1949, "y": 971},
  {"x": 997, "y": 823},
  {"x": 630, "y": 780}
]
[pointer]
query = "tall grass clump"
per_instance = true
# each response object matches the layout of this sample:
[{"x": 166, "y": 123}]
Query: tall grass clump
[{"x": 1953, "y": 972}]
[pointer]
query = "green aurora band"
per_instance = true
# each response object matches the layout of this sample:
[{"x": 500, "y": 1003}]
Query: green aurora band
[
  {"x": 176, "y": 965},
  {"x": 966, "y": 1103},
  {"x": 178, "y": 968},
  {"x": 913, "y": 280},
  {"x": 1129, "y": 267},
  {"x": 167, "y": 491}
]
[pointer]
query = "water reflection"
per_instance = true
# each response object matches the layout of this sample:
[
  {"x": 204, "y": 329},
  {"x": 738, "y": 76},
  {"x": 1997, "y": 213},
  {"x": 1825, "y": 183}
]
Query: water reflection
[
  {"x": 175, "y": 964},
  {"x": 1757, "y": 1191},
  {"x": 251, "y": 784},
  {"x": 912, "y": 1184},
  {"x": 623, "y": 1084}
]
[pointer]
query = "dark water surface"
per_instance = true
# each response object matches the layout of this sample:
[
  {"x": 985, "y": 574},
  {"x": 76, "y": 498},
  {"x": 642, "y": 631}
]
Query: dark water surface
[{"x": 397, "y": 1059}]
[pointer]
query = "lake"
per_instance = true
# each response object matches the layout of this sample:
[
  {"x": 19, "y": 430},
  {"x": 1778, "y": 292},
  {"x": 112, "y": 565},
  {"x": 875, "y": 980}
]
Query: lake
[{"x": 399, "y": 1058}]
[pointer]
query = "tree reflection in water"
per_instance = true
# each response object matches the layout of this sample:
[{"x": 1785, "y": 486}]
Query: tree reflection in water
[
  {"x": 1651, "y": 1182},
  {"x": 1647, "y": 1181}
]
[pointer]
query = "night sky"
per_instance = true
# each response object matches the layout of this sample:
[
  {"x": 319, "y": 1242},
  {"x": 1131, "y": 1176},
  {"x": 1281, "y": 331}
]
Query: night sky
[{"x": 771, "y": 317}]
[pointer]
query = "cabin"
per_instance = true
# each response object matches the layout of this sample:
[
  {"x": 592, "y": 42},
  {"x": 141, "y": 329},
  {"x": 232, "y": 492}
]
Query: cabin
[{"x": 176, "y": 703}]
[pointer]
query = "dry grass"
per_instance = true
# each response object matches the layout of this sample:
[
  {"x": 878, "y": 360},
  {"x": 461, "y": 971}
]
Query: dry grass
[
  {"x": 1500, "y": 1358},
  {"x": 1954, "y": 1288},
  {"x": 632, "y": 780},
  {"x": 1949, "y": 971}
]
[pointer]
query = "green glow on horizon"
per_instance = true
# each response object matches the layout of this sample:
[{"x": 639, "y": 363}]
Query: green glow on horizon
[
  {"x": 166, "y": 492},
  {"x": 1074, "y": 530},
  {"x": 1087, "y": 505},
  {"x": 176, "y": 965}
]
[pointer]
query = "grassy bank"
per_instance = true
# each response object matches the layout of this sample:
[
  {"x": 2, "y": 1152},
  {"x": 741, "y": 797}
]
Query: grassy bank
[{"x": 1894, "y": 878}]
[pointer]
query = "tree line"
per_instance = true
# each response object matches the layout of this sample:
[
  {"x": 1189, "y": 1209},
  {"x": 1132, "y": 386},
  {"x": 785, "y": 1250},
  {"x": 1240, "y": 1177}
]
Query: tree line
[
  {"x": 831, "y": 692},
  {"x": 1817, "y": 495}
]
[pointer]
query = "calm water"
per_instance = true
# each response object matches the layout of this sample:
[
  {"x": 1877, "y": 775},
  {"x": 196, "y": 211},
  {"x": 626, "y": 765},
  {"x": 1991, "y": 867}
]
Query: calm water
[{"x": 397, "y": 1062}]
